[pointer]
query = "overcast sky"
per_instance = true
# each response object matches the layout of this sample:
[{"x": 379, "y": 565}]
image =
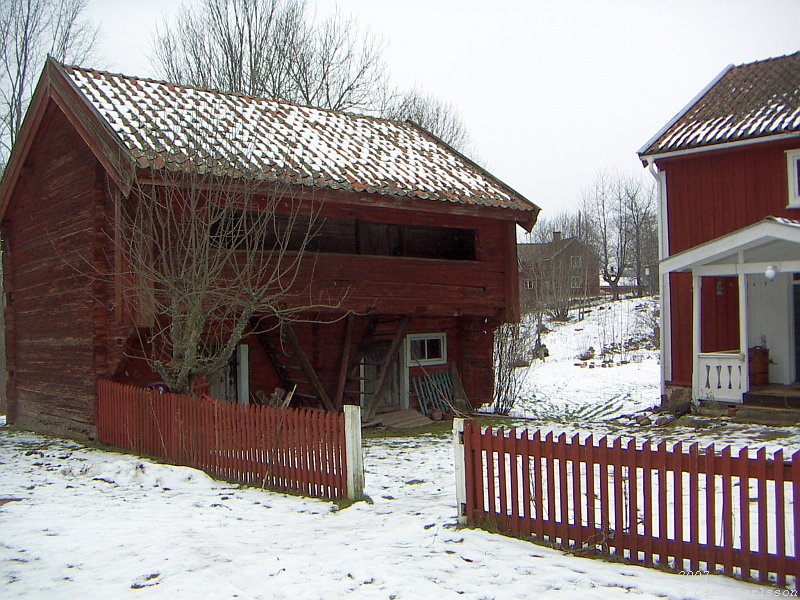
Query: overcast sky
[{"x": 550, "y": 91}]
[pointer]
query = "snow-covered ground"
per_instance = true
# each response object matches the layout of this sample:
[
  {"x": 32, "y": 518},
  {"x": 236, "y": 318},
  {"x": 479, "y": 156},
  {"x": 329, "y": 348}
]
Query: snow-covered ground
[
  {"x": 562, "y": 397},
  {"x": 78, "y": 522}
]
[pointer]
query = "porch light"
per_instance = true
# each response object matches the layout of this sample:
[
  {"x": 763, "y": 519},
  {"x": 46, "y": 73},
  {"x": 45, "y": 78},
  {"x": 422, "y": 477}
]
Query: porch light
[{"x": 771, "y": 272}]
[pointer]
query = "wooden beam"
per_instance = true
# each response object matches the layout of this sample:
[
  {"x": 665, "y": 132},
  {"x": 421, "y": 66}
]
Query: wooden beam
[
  {"x": 348, "y": 341},
  {"x": 272, "y": 353},
  {"x": 380, "y": 383},
  {"x": 307, "y": 367}
]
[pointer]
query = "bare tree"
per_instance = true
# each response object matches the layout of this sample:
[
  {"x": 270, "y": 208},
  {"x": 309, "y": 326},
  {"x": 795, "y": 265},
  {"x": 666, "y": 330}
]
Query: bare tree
[
  {"x": 438, "y": 117},
  {"x": 553, "y": 293},
  {"x": 272, "y": 49},
  {"x": 642, "y": 223},
  {"x": 605, "y": 206},
  {"x": 568, "y": 224},
  {"x": 29, "y": 31},
  {"x": 512, "y": 345},
  {"x": 203, "y": 257}
]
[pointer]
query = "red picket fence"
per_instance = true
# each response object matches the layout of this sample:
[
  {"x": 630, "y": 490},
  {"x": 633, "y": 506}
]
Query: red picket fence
[
  {"x": 287, "y": 449},
  {"x": 695, "y": 509}
]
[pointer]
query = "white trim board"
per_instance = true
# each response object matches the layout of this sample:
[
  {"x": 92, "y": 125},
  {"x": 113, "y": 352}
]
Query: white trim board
[{"x": 752, "y": 236}]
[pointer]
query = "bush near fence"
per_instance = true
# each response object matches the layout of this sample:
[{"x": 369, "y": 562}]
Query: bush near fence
[
  {"x": 293, "y": 450},
  {"x": 690, "y": 509}
]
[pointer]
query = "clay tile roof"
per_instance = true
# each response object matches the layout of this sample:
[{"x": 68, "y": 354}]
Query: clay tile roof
[
  {"x": 189, "y": 129},
  {"x": 746, "y": 102}
]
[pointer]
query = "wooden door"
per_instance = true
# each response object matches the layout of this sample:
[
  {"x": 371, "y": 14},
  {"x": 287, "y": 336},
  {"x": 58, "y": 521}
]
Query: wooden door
[{"x": 370, "y": 366}]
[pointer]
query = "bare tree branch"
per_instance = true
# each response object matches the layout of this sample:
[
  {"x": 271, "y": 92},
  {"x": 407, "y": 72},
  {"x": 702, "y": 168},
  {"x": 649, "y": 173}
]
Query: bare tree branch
[
  {"x": 205, "y": 257},
  {"x": 273, "y": 49},
  {"x": 440, "y": 118},
  {"x": 621, "y": 226},
  {"x": 29, "y": 30}
]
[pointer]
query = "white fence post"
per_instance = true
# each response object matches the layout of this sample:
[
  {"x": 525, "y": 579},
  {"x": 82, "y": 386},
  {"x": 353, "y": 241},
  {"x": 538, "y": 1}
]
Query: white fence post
[
  {"x": 354, "y": 456},
  {"x": 461, "y": 471}
]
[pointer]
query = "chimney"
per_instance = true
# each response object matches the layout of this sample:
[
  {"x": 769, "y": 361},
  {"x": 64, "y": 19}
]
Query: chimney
[{"x": 556, "y": 236}]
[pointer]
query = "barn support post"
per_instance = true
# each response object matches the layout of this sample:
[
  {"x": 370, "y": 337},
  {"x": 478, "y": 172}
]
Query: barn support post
[
  {"x": 354, "y": 456},
  {"x": 461, "y": 471}
]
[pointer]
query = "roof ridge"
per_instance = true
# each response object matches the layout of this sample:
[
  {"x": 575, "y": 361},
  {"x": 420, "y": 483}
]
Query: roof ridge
[
  {"x": 210, "y": 90},
  {"x": 768, "y": 59}
]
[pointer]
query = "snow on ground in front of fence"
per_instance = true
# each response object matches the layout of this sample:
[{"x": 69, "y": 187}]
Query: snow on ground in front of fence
[
  {"x": 80, "y": 522},
  {"x": 561, "y": 397}
]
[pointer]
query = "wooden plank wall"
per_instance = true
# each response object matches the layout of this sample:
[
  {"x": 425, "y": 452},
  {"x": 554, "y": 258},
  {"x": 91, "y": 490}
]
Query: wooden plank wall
[
  {"x": 49, "y": 233},
  {"x": 709, "y": 195}
]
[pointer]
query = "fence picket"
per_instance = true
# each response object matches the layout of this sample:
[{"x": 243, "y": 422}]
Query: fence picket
[
  {"x": 763, "y": 523},
  {"x": 647, "y": 503},
  {"x": 744, "y": 511},
  {"x": 527, "y": 516},
  {"x": 618, "y": 528},
  {"x": 727, "y": 511},
  {"x": 663, "y": 507},
  {"x": 563, "y": 493},
  {"x": 780, "y": 527},
  {"x": 551, "y": 487},
  {"x": 591, "y": 499},
  {"x": 577, "y": 498},
  {"x": 711, "y": 509},
  {"x": 605, "y": 516},
  {"x": 538, "y": 490},
  {"x": 677, "y": 473},
  {"x": 514, "y": 500},
  {"x": 501, "y": 471},
  {"x": 633, "y": 500},
  {"x": 694, "y": 507}
]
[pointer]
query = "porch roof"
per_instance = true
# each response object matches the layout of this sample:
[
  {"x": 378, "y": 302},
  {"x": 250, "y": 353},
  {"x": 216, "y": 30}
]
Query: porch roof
[{"x": 774, "y": 241}]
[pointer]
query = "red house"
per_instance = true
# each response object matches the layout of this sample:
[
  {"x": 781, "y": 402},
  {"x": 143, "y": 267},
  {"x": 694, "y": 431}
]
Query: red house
[
  {"x": 422, "y": 238},
  {"x": 728, "y": 169},
  {"x": 553, "y": 274}
]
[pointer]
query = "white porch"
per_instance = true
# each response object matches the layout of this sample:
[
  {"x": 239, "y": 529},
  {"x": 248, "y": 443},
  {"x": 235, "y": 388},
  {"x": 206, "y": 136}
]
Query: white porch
[{"x": 764, "y": 258}]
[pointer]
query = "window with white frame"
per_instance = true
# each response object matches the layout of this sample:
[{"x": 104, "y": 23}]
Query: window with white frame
[
  {"x": 575, "y": 283},
  {"x": 529, "y": 284},
  {"x": 576, "y": 261},
  {"x": 793, "y": 173},
  {"x": 427, "y": 349}
]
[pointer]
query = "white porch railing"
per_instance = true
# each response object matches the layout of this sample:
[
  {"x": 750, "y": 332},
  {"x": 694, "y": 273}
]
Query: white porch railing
[{"x": 721, "y": 376}]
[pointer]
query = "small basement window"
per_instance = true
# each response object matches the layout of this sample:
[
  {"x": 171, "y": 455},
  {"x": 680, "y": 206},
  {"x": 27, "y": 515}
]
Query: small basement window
[
  {"x": 793, "y": 173},
  {"x": 427, "y": 349}
]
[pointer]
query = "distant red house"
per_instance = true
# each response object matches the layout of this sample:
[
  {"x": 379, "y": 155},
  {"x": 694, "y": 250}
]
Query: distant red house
[
  {"x": 422, "y": 238},
  {"x": 728, "y": 168},
  {"x": 555, "y": 271}
]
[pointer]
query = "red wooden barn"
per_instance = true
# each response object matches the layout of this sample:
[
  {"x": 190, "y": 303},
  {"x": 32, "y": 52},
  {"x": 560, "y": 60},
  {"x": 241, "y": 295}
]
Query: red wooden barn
[
  {"x": 728, "y": 169},
  {"x": 422, "y": 238}
]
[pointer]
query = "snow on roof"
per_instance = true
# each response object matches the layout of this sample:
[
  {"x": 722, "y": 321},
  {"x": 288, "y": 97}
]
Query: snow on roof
[
  {"x": 749, "y": 101},
  {"x": 188, "y": 129}
]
